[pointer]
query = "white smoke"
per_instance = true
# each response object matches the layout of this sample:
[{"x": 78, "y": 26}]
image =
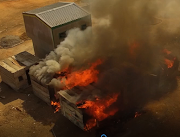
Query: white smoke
[{"x": 63, "y": 56}]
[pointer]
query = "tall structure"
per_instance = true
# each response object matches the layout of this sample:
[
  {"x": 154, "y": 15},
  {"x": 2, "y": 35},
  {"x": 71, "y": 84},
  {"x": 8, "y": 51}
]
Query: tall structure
[{"x": 47, "y": 26}]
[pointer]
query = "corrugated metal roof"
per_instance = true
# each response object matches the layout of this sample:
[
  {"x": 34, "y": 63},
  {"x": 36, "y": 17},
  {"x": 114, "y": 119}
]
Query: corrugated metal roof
[
  {"x": 58, "y": 15},
  {"x": 48, "y": 7}
]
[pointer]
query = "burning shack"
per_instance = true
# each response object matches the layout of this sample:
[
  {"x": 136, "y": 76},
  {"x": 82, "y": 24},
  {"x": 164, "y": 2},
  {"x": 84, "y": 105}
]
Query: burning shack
[
  {"x": 70, "y": 102},
  {"x": 85, "y": 107},
  {"x": 102, "y": 78},
  {"x": 87, "y": 97},
  {"x": 90, "y": 88},
  {"x": 47, "y": 26}
]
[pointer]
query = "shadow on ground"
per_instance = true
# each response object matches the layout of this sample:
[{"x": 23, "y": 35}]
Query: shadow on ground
[
  {"x": 32, "y": 105},
  {"x": 8, "y": 94}
]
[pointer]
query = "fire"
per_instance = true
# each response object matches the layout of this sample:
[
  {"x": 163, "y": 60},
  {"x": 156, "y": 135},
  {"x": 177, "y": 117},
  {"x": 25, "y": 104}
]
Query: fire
[
  {"x": 90, "y": 124},
  {"x": 97, "y": 109},
  {"x": 169, "y": 63},
  {"x": 56, "y": 105},
  {"x": 82, "y": 78},
  {"x": 133, "y": 47},
  {"x": 167, "y": 51},
  {"x": 137, "y": 114}
]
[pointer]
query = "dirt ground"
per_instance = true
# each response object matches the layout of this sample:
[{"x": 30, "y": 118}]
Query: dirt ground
[
  {"x": 21, "y": 114},
  {"x": 11, "y": 21},
  {"x": 24, "y": 115}
]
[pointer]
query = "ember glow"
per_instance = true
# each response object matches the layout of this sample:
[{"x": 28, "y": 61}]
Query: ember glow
[
  {"x": 90, "y": 124},
  {"x": 97, "y": 109},
  {"x": 56, "y": 105},
  {"x": 137, "y": 114},
  {"x": 82, "y": 77},
  {"x": 133, "y": 48},
  {"x": 169, "y": 63},
  {"x": 167, "y": 51}
]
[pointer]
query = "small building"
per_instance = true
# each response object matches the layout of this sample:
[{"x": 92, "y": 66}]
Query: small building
[
  {"x": 69, "y": 102},
  {"x": 47, "y": 26},
  {"x": 41, "y": 90},
  {"x": 14, "y": 70}
]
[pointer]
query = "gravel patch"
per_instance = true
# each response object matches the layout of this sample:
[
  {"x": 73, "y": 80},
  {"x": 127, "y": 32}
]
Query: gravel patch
[{"x": 10, "y": 41}]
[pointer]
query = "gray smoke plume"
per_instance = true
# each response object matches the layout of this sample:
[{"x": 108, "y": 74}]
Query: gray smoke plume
[{"x": 127, "y": 35}]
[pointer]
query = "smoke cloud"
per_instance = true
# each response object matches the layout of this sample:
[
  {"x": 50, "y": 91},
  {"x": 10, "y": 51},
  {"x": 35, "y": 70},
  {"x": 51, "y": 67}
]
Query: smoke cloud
[{"x": 128, "y": 35}]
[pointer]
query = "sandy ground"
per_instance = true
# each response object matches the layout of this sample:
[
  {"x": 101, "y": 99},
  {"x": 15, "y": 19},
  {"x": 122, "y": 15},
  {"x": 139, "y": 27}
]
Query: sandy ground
[
  {"x": 24, "y": 115},
  {"x": 162, "y": 118},
  {"x": 11, "y": 21},
  {"x": 21, "y": 114}
]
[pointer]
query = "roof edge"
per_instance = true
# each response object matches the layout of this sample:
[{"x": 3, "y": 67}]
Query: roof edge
[
  {"x": 69, "y": 22},
  {"x": 54, "y": 8},
  {"x": 35, "y": 16},
  {"x": 81, "y": 8},
  {"x": 27, "y": 12}
]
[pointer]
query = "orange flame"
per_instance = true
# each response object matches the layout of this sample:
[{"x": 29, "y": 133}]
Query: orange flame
[
  {"x": 90, "y": 124},
  {"x": 83, "y": 78},
  {"x": 97, "y": 109},
  {"x": 133, "y": 48},
  {"x": 169, "y": 63},
  {"x": 167, "y": 51},
  {"x": 137, "y": 114},
  {"x": 56, "y": 105}
]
